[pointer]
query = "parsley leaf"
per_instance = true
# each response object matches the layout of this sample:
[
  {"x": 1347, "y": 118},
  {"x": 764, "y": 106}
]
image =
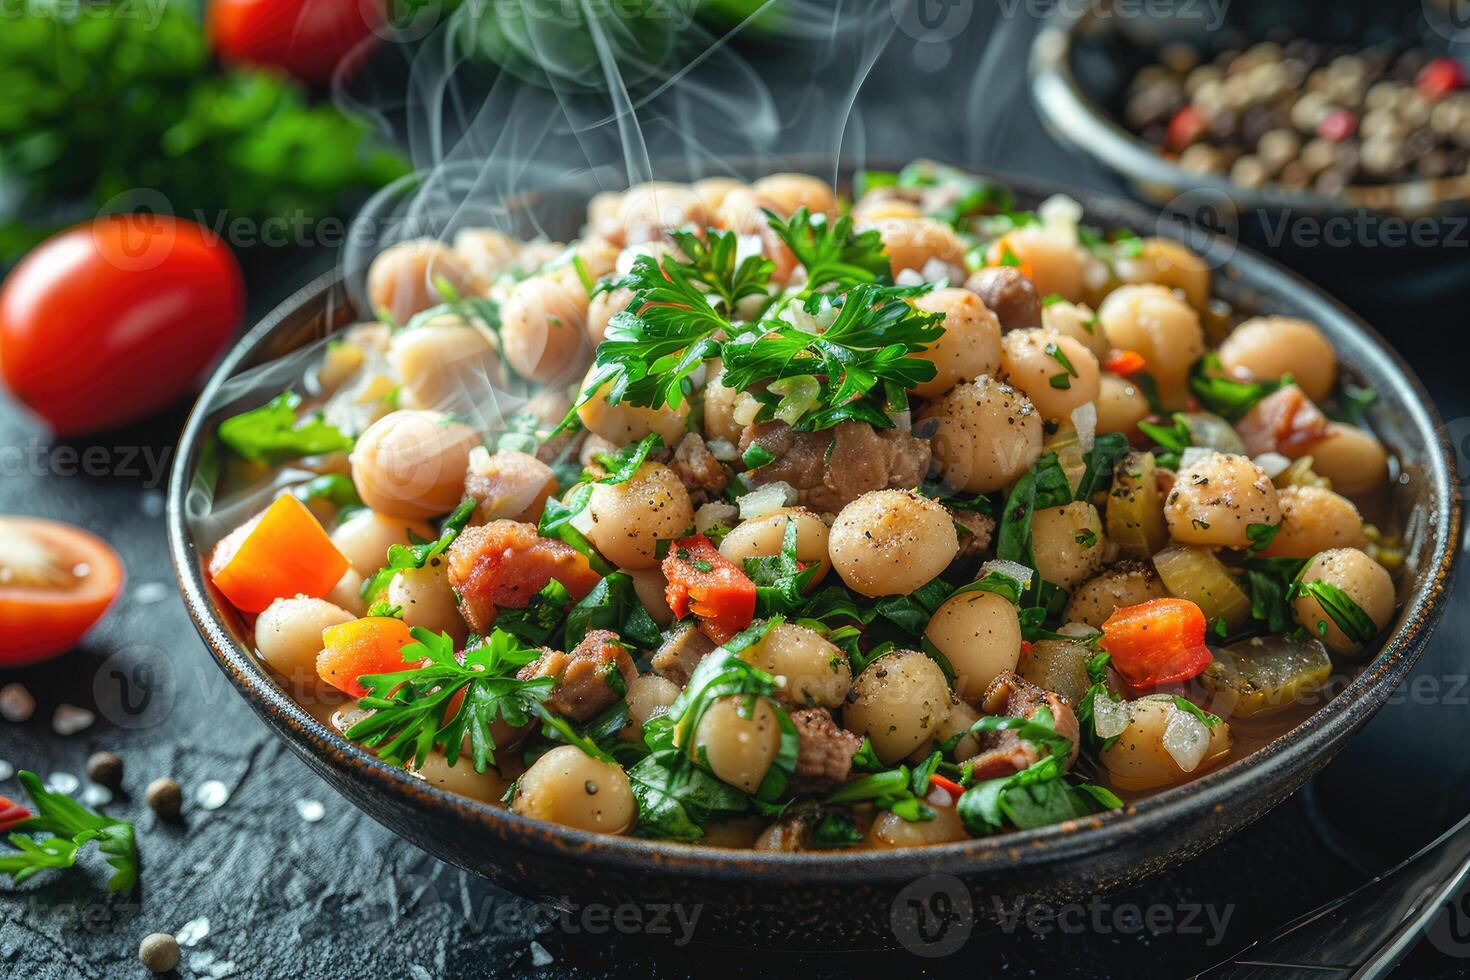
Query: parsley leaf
[
  {"x": 830, "y": 251},
  {"x": 1226, "y": 397},
  {"x": 713, "y": 264},
  {"x": 612, "y": 605},
  {"x": 1172, "y": 439},
  {"x": 70, "y": 826},
  {"x": 404, "y": 556},
  {"x": 1261, "y": 535},
  {"x": 272, "y": 434},
  {"x": 1340, "y": 607}
]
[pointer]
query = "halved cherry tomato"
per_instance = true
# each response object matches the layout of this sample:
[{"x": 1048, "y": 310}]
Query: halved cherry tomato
[
  {"x": 115, "y": 319},
  {"x": 372, "y": 645},
  {"x": 307, "y": 39},
  {"x": 706, "y": 583},
  {"x": 281, "y": 552},
  {"x": 1124, "y": 363},
  {"x": 1161, "y": 641},
  {"x": 11, "y": 813},
  {"x": 56, "y": 581}
]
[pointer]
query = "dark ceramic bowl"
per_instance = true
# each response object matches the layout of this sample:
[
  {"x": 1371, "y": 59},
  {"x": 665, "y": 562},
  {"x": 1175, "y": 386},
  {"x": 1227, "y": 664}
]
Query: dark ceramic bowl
[
  {"x": 1404, "y": 239},
  {"x": 849, "y": 899}
]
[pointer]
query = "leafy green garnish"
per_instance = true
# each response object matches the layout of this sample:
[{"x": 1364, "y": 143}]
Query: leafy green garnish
[
  {"x": 1226, "y": 397},
  {"x": 757, "y": 456},
  {"x": 556, "y": 522},
  {"x": 713, "y": 264},
  {"x": 541, "y": 618},
  {"x": 1269, "y": 583},
  {"x": 1172, "y": 439},
  {"x": 623, "y": 465},
  {"x": 1190, "y": 708},
  {"x": 891, "y": 789},
  {"x": 272, "y": 433},
  {"x": 612, "y": 604},
  {"x": 69, "y": 827},
  {"x": 408, "y": 708},
  {"x": 335, "y": 488},
  {"x": 405, "y": 556},
  {"x": 831, "y": 252},
  {"x": 1261, "y": 535},
  {"x": 1355, "y": 624},
  {"x": 836, "y": 829}
]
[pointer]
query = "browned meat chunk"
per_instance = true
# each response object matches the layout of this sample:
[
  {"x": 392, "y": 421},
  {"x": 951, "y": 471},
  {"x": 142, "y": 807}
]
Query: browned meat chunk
[
  {"x": 591, "y": 677},
  {"x": 1008, "y": 294},
  {"x": 503, "y": 564},
  {"x": 1002, "y": 753},
  {"x": 980, "y": 528},
  {"x": 508, "y": 485},
  {"x": 676, "y": 659},
  {"x": 834, "y": 467},
  {"x": 824, "y": 751},
  {"x": 701, "y": 473}
]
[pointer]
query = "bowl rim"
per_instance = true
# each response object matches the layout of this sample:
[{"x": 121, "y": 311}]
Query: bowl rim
[
  {"x": 1081, "y": 124},
  {"x": 1300, "y": 749}
]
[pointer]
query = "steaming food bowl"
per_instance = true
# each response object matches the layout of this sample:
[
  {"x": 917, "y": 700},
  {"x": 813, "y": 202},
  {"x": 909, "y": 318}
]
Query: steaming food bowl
[{"x": 851, "y": 899}]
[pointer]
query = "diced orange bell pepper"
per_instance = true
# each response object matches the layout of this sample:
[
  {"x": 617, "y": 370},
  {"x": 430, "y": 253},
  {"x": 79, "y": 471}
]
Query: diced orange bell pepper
[
  {"x": 1124, "y": 363},
  {"x": 998, "y": 252},
  {"x": 373, "y": 645},
  {"x": 706, "y": 583},
  {"x": 1158, "y": 642},
  {"x": 280, "y": 553}
]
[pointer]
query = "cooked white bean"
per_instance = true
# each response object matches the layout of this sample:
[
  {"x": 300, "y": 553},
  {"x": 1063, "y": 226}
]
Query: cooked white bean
[
  {"x": 890, "y": 542},
  {"x": 1057, "y": 262},
  {"x": 1164, "y": 329},
  {"x": 1057, "y": 373},
  {"x": 447, "y": 365},
  {"x": 889, "y": 830},
  {"x": 764, "y": 536},
  {"x": 1216, "y": 500},
  {"x": 543, "y": 329},
  {"x": 628, "y": 519},
  {"x": 1315, "y": 519},
  {"x": 1126, "y": 584},
  {"x": 1079, "y": 322},
  {"x": 740, "y": 738},
  {"x": 569, "y": 787},
  {"x": 1067, "y": 542},
  {"x": 1138, "y": 759},
  {"x": 913, "y": 243},
  {"x": 488, "y": 252},
  {"x": 1351, "y": 458},
  {"x": 412, "y": 464},
  {"x": 1121, "y": 405},
  {"x": 984, "y": 435},
  {"x": 425, "y": 596},
  {"x": 787, "y": 192},
  {"x": 365, "y": 537},
  {"x": 649, "y": 696},
  {"x": 979, "y": 633},
  {"x": 814, "y": 670},
  {"x": 1266, "y": 347},
  {"x": 288, "y": 635},
  {"x": 1165, "y": 262},
  {"x": 1366, "y": 583},
  {"x": 970, "y": 345},
  {"x": 899, "y": 701},
  {"x": 402, "y": 279},
  {"x": 651, "y": 587},
  {"x": 622, "y": 423}
]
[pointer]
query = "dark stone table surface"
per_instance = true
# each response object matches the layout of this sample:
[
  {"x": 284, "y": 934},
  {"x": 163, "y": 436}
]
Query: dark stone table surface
[{"x": 342, "y": 897}]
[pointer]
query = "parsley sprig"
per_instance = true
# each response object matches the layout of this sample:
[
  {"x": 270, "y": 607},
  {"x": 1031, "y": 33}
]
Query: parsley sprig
[
  {"x": 831, "y": 251},
  {"x": 67, "y": 827},
  {"x": 419, "y": 554}
]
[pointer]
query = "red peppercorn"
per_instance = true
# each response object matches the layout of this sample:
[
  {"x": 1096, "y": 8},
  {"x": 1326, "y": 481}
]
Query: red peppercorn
[
  {"x": 1439, "y": 78},
  {"x": 1186, "y": 126},
  {"x": 1337, "y": 125}
]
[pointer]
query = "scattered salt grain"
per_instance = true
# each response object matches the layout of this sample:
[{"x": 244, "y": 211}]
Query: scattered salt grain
[
  {"x": 148, "y": 593},
  {"x": 539, "y": 955},
  {"x": 95, "y": 796},
  {"x": 6, "y": 770},
  {"x": 16, "y": 703},
  {"x": 193, "y": 932},
  {"x": 212, "y": 795},
  {"x": 311, "y": 811},
  {"x": 62, "y": 782},
  {"x": 419, "y": 973},
  {"x": 69, "y": 719},
  {"x": 151, "y": 503}
]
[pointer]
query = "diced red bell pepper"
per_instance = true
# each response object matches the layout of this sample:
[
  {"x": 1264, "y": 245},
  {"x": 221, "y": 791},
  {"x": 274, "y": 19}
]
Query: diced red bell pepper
[
  {"x": 1158, "y": 642},
  {"x": 1125, "y": 363},
  {"x": 706, "y": 583},
  {"x": 1439, "y": 78},
  {"x": 948, "y": 785}
]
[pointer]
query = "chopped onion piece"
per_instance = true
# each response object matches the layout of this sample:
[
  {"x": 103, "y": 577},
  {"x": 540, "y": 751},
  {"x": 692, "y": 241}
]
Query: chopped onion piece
[
  {"x": 1109, "y": 717},
  {"x": 937, "y": 271},
  {"x": 1084, "y": 418},
  {"x": 746, "y": 409},
  {"x": 1185, "y": 739},
  {"x": 799, "y": 395},
  {"x": 714, "y": 512},
  {"x": 723, "y": 450},
  {"x": 582, "y": 520},
  {"x": 1060, "y": 212},
  {"x": 902, "y": 421},
  {"x": 766, "y": 499},
  {"x": 1012, "y": 569},
  {"x": 1194, "y": 454},
  {"x": 748, "y": 247},
  {"x": 908, "y": 277},
  {"x": 1272, "y": 464},
  {"x": 1081, "y": 630}
]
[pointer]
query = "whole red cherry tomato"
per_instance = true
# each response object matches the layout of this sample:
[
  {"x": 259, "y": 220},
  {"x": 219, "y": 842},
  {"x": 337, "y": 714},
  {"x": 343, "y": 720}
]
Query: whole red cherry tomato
[
  {"x": 306, "y": 38},
  {"x": 114, "y": 319}
]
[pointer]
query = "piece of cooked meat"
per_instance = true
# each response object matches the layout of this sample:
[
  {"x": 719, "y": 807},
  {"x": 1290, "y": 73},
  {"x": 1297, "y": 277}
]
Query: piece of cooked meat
[
  {"x": 503, "y": 564},
  {"x": 981, "y": 528},
  {"x": 832, "y": 468},
  {"x": 1002, "y": 753},
  {"x": 680, "y": 653},
  {"x": 508, "y": 484},
  {"x": 824, "y": 751},
  {"x": 697, "y": 467},
  {"x": 595, "y": 674}
]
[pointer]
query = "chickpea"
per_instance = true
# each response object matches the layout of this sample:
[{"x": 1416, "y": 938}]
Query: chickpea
[
  {"x": 1121, "y": 405},
  {"x": 543, "y": 329},
  {"x": 899, "y": 701},
  {"x": 873, "y": 208},
  {"x": 889, "y": 830},
  {"x": 1057, "y": 373},
  {"x": 652, "y": 590},
  {"x": 787, "y": 192},
  {"x": 1315, "y": 519},
  {"x": 1126, "y": 584},
  {"x": 816, "y": 672},
  {"x": 1079, "y": 322},
  {"x": 568, "y": 787},
  {"x": 487, "y": 787},
  {"x": 412, "y": 464},
  {"x": 1057, "y": 263},
  {"x": 629, "y": 518},
  {"x": 984, "y": 435},
  {"x": 1165, "y": 262},
  {"x": 1266, "y": 347},
  {"x": 427, "y": 600},
  {"x": 764, "y": 536},
  {"x": 1161, "y": 327},
  {"x": 912, "y": 243},
  {"x": 979, "y": 633},
  {"x": 890, "y": 542},
  {"x": 365, "y": 537},
  {"x": 347, "y": 593},
  {"x": 1352, "y": 459},
  {"x": 1216, "y": 500},
  {"x": 1068, "y": 543},
  {"x": 649, "y": 696},
  {"x": 970, "y": 345},
  {"x": 401, "y": 280},
  {"x": 646, "y": 210},
  {"x": 446, "y": 365},
  {"x": 622, "y": 423},
  {"x": 487, "y": 252},
  {"x": 719, "y": 411},
  {"x": 1138, "y": 759},
  {"x": 712, "y": 191},
  {"x": 288, "y": 635},
  {"x": 740, "y": 738},
  {"x": 1365, "y": 581},
  {"x": 602, "y": 308}
]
